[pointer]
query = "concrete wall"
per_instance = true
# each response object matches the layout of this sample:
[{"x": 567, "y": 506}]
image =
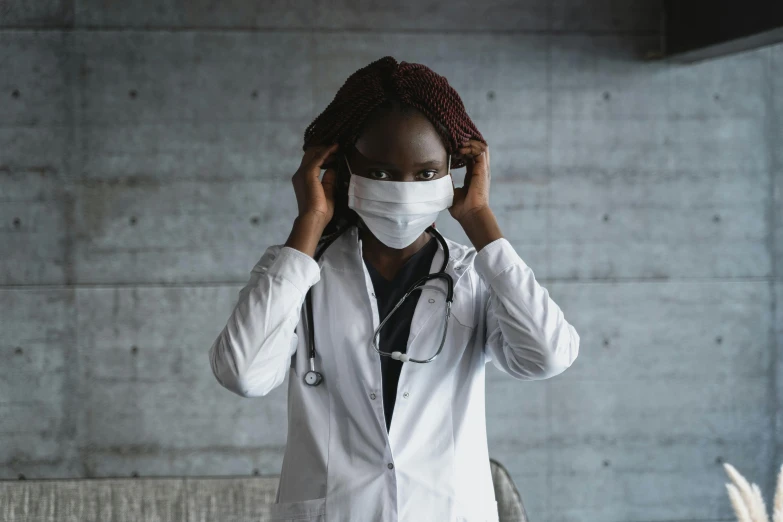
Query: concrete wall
[{"x": 146, "y": 150}]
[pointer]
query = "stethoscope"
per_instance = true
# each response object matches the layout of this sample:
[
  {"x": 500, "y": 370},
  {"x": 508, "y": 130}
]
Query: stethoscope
[{"x": 314, "y": 378}]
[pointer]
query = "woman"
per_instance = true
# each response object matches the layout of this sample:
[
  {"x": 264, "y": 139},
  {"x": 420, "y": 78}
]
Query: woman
[{"x": 375, "y": 432}]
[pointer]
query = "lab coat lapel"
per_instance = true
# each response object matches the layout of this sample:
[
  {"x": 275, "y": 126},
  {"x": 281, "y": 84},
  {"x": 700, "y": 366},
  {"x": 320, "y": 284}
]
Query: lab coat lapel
[
  {"x": 358, "y": 359},
  {"x": 424, "y": 338}
]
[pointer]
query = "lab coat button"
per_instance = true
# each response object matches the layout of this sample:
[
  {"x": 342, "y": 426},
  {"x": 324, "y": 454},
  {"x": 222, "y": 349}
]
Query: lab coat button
[
  {"x": 406, "y": 395},
  {"x": 372, "y": 396},
  {"x": 390, "y": 465},
  {"x": 432, "y": 300}
]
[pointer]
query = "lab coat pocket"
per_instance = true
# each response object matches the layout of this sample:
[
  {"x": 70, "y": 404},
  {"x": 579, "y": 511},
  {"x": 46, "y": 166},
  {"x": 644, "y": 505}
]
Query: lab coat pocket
[
  {"x": 463, "y": 307},
  {"x": 303, "y": 511}
]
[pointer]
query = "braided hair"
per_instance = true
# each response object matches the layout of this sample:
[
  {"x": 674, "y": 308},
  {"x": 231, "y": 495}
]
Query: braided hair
[{"x": 387, "y": 85}]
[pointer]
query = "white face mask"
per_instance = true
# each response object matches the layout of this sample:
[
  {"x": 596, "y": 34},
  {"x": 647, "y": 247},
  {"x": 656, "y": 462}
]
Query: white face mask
[{"x": 397, "y": 212}]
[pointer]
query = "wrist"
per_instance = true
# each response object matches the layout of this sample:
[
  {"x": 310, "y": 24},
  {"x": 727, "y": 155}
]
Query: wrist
[
  {"x": 481, "y": 227},
  {"x": 315, "y": 222},
  {"x": 475, "y": 215},
  {"x": 305, "y": 233}
]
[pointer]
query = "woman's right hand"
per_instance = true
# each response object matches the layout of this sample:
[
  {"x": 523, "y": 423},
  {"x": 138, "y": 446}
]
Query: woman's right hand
[{"x": 315, "y": 197}]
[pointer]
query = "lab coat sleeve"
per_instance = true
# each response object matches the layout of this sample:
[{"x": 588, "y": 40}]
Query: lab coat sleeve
[
  {"x": 525, "y": 332},
  {"x": 252, "y": 354}
]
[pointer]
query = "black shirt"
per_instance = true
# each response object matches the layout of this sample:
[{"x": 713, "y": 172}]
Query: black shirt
[{"x": 394, "y": 334}]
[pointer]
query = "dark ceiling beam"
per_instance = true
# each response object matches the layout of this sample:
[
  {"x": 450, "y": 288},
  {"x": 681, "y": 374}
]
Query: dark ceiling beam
[{"x": 700, "y": 29}]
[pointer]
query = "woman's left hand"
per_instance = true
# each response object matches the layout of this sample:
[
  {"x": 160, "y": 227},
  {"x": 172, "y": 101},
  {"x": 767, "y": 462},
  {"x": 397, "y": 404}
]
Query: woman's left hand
[
  {"x": 473, "y": 195},
  {"x": 471, "y": 201}
]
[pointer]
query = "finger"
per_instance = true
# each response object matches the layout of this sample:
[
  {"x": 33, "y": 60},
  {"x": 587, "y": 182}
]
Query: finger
[
  {"x": 330, "y": 161},
  {"x": 480, "y": 159},
  {"x": 328, "y": 182},
  {"x": 480, "y": 165},
  {"x": 325, "y": 153},
  {"x": 318, "y": 154},
  {"x": 311, "y": 167},
  {"x": 478, "y": 154},
  {"x": 473, "y": 148},
  {"x": 312, "y": 151},
  {"x": 486, "y": 160},
  {"x": 317, "y": 149},
  {"x": 469, "y": 166}
]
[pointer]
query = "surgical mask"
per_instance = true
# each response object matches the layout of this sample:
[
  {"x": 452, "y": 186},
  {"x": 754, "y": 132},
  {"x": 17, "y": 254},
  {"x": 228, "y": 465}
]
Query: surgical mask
[{"x": 397, "y": 212}]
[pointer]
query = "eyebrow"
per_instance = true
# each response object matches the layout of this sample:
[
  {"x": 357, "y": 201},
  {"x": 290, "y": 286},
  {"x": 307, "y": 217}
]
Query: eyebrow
[{"x": 429, "y": 163}]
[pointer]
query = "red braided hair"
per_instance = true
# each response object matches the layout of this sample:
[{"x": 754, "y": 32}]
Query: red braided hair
[
  {"x": 386, "y": 81},
  {"x": 388, "y": 84}
]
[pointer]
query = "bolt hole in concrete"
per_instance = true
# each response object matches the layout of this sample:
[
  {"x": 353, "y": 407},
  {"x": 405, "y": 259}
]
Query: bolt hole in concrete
[
  {"x": 719, "y": 339},
  {"x": 132, "y": 220},
  {"x": 491, "y": 95},
  {"x": 255, "y": 220},
  {"x": 134, "y": 349},
  {"x": 17, "y": 222},
  {"x": 607, "y": 95},
  {"x": 18, "y": 350},
  {"x": 22, "y": 477},
  {"x": 606, "y": 217},
  {"x": 132, "y": 93},
  {"x": 254, "y": 94},
  {"x": 716, "y": 218},
  {"x": 15, "y": 93}
]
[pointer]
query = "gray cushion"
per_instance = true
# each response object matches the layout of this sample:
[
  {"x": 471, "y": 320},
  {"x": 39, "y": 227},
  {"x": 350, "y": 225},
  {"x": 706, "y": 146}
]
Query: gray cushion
[{"x": 173, "y": 499}]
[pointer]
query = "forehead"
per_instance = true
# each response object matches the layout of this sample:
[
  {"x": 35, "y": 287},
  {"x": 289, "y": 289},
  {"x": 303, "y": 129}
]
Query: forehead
[{"x": 400, "y": 139}]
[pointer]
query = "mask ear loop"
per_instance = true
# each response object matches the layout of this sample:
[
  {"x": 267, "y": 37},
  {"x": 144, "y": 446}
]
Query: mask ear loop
[
  {"x": 360, "y": 223},
  {"x": 448, "y": 173},
  {"x": 350, "y": 172}
]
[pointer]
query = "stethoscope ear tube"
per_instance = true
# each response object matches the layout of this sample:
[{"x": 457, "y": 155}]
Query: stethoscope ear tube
[
  {"x": 311, "y": 378},
  {"x": 314, "y": 378}
]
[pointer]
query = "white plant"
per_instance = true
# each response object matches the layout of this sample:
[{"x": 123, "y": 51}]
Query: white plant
[{"x": 747, "y": 501}]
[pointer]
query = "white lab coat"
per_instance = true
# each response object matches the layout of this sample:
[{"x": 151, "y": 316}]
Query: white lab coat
[{"x": 340, "y": 464}]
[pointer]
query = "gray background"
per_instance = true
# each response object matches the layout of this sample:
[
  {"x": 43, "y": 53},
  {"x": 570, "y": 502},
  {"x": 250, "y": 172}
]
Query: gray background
[{"x": 146, "y": 150}]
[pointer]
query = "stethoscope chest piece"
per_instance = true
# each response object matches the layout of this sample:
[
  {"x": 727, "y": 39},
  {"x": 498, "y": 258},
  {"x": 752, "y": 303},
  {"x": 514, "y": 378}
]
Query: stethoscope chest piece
[{"x": 313, "y": 378}]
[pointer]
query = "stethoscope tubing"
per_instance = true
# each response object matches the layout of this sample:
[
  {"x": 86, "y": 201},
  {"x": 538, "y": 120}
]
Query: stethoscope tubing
[
  {"x": 418, "y": 285},
  {"x": 314, "y": 378}
]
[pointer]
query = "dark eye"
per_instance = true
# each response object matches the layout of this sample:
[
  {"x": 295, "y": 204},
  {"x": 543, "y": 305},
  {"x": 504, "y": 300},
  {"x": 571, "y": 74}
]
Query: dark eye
[
  {"x": 428, "y": 175},
  {"x": 377, "y": 174}
]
